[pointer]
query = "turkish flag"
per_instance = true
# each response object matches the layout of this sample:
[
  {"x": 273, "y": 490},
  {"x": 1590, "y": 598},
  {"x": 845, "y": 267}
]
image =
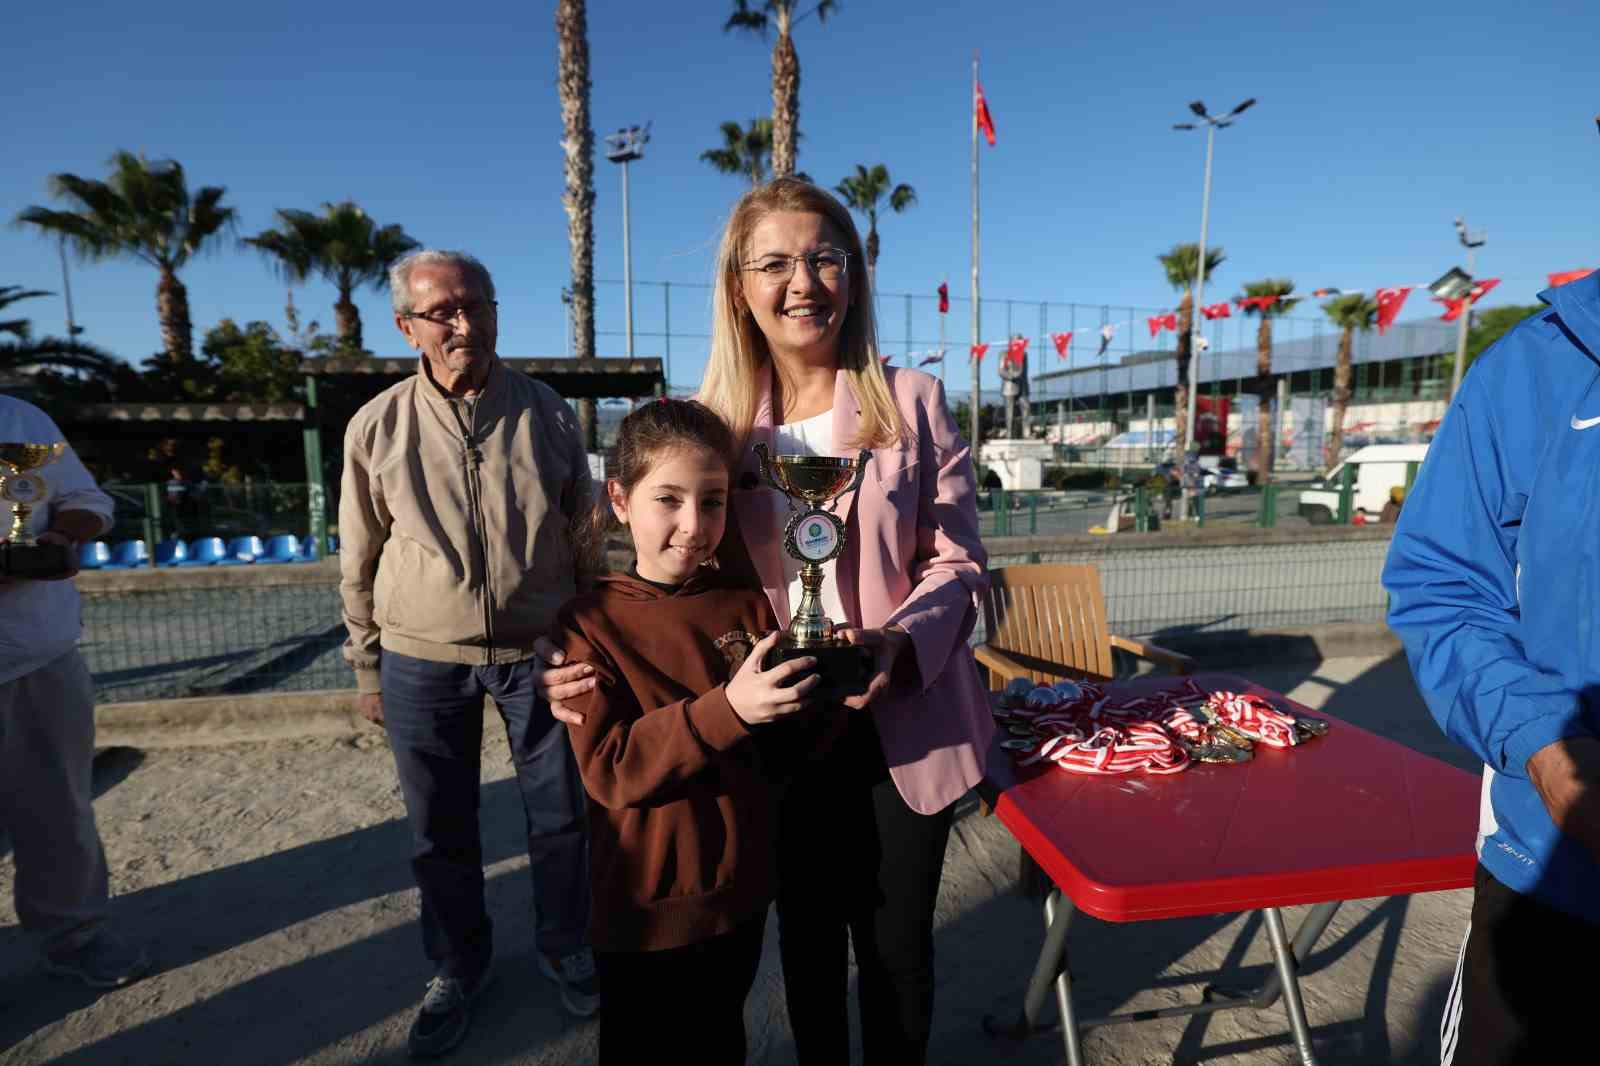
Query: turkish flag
[
  {"x": 932, "y": 357},
  {"x": 1154, "y": 322},
  {"x": 985, "y": 121},
  {"x": 885, "y": 359},
  {"x": 944, "y": 298},
  {"x": 1216, "y": 310},
  {"x": 979, "y": 351},
  {"x": 1063, "y": 341},
  {"x": 1453, "y": 308},
  {"x": 1566, "y": 276},
  {"x": 1389, "y": 303},
  {"x": 1320, "y": 293},
  {"x": 1017, "y": 350}
]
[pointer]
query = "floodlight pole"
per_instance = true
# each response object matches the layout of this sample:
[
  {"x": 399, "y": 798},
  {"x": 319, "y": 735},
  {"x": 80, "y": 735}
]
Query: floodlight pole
[
  {"x": 623, "y": 147},
  {"x": 1463, "y": 322}
]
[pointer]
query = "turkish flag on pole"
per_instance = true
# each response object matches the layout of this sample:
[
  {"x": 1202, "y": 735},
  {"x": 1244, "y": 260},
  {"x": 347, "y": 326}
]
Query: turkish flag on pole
[
  {"x": 1453, "y": 308},
  {"x": 944, "y": 298},
  {"x": 979, "y": 351},
  {"x": 985, "y": 122},
  {"x": 1217, "y": 310},
  {"x": 1389, "y": 303},
  {"x": 1017, "y": 350},
  {"x": 1154, "y": 322},
  {"x": 1063, "y": 342},
  {"x": 1567, "y": 276}
]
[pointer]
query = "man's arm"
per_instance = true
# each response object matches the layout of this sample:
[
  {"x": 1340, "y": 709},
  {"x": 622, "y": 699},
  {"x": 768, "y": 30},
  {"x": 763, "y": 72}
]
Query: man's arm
[
  {"x": 1451, "y": 574},
  {"x": 363, "y": 528}
]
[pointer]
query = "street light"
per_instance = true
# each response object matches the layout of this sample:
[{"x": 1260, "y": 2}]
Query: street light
[
  {"x": 623, "y": 147},
  {"x": 1212, "y": 124},
  {"x": 1471, "y": 242}
]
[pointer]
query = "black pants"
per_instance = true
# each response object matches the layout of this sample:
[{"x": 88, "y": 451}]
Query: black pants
[
  {"x": 859, "y": 867},
  {"x": 1517, "y": 997},
  {"x": 433, "y": 713},
  {"x": 653, "y": 997}
]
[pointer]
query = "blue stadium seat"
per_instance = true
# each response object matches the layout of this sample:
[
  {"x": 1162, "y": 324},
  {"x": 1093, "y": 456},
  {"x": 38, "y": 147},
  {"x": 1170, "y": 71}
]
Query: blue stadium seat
[
  {"x": 171, "y": 552},
  {"x": 284, "y": 548},
  {"x": 127, "y": 554},
  {"x": 94, "y": 555},
  {"x": 333, "y": 544},
  {"x": 246, "y": 549},
  {"x": 206, "y": 551},
  {"x": 308, "y": 551}
]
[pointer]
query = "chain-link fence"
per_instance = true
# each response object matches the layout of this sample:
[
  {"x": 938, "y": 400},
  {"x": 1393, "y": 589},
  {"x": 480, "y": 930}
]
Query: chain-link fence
[{"x": 210, "y": 632}]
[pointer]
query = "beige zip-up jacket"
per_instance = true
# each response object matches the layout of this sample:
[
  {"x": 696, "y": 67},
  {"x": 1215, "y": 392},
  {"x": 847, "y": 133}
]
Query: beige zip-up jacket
[{"x": 455, "y": 519}]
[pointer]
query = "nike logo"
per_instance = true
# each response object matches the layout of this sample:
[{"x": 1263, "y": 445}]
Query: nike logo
[{"x": 1584, "y": 423}]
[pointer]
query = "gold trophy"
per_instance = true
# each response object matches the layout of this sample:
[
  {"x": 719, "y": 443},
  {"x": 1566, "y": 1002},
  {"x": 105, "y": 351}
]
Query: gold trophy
[
  {"x": 814, "y": 536},
  {"x": 20, "y": 554}
]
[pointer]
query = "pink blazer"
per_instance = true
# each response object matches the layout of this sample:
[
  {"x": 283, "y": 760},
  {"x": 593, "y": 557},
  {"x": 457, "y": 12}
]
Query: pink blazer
[{"x": 913, "y": 558}]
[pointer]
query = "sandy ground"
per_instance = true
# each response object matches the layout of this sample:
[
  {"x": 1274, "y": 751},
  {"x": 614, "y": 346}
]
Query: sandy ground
[{"x": 271, "y": 882}]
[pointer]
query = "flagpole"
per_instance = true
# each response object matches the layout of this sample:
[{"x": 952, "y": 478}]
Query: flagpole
[{"x": 977, "y": 313}]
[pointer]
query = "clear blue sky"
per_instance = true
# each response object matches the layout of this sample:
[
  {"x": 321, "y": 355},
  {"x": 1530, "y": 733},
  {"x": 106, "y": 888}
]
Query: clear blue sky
[{"x": 1377, "y": 124}]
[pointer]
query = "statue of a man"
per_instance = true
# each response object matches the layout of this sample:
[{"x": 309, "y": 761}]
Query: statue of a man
[{"x": 1014, "y": 389}]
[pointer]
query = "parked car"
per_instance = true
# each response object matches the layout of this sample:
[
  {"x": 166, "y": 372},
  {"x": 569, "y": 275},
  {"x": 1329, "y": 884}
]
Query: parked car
[
  {"x": 1378, "y": 468},
  {"x": 1225, "y": 476}
]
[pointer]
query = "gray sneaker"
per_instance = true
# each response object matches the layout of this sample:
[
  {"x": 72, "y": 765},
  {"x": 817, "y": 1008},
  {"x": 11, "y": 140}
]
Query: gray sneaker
[
  {"x": 105, "y": 960},
  {"x": 574, "y": 974},
  {"x": 445, "y": 1016}
]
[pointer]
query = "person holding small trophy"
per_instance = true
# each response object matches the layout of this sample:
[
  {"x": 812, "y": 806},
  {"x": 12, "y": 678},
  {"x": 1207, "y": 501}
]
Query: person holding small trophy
[
  {"x": 49, "y": 505},
  {"x": 794, "y": 367}
]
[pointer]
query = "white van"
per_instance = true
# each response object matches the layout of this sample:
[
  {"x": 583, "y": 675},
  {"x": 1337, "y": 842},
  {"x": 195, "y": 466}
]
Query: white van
[{"x": 1378, "y": 468}]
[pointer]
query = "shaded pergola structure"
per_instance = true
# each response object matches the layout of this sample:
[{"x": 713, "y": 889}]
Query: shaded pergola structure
[{"x": 573, "y": 379}]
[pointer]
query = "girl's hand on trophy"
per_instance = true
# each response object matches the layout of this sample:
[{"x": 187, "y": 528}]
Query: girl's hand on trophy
[
  {"x": 758, "y": 695},
  {"x": 886, "y": 644}
]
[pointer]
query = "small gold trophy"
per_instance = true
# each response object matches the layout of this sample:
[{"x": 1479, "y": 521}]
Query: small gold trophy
[
  {"x": 814, "y": 536},
  {"x": 20, "y": 554}
]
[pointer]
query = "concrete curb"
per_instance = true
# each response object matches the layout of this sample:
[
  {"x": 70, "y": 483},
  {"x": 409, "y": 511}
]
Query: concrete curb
[{"x": 209, "y": 720}]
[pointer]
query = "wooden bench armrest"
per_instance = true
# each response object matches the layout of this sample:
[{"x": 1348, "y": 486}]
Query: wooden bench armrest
[
  {"x": 999, "y": 662},
  {"x": 1177, "y": 662}
]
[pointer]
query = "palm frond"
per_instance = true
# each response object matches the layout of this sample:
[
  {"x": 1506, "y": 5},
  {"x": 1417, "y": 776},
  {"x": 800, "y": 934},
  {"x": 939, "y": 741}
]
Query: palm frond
[
  {"x": 1353, "y": 311},
  {"x": 745, "y": 17}
]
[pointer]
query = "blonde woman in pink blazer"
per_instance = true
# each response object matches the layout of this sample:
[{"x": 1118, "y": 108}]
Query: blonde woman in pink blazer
[{"x": 794, "y": 365}]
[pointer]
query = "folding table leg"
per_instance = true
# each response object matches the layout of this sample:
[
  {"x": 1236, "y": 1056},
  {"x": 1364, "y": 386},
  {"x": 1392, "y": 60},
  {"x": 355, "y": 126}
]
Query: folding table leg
[
  {"x": 1050, "y": 969},
  {"x": 1291, "y": 985}
]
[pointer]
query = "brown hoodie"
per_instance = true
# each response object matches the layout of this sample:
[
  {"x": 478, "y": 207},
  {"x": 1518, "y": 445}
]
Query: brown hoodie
[{"x": 684, "y": 823}]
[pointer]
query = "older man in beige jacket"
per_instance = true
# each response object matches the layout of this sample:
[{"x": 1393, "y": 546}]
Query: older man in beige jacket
[{"x": 461, "y": 486}]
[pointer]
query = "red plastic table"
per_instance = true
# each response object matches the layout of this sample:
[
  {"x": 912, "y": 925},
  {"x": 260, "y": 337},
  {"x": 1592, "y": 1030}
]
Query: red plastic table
[{"x": 1347, "y": 816}]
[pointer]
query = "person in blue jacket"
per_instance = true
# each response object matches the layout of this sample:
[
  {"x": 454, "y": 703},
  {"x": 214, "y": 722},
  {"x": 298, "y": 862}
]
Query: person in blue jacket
[{"x": 1494, "y": 584}]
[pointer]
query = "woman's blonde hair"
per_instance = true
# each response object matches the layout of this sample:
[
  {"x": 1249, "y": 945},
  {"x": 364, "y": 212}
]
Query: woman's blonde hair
[{"x": 738, "y": 347}]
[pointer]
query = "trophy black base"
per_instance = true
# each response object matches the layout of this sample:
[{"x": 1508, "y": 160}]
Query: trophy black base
[
  {"x": 34, "y": 560},
  {"x": 846, "y": 669}
]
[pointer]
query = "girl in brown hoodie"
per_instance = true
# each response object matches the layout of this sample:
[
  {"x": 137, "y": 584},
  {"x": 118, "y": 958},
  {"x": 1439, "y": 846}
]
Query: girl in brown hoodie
[{"x": 679, "y": 745}]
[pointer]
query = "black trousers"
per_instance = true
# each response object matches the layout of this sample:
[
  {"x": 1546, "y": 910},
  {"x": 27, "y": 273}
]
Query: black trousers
[
  {"x": 1519, "y": 996},
  {"x": 858, "y": 867},
  {"x": 653, "y": 997}
]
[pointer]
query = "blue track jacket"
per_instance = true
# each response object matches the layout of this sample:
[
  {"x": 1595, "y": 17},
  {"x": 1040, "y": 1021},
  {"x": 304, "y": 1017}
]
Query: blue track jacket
[{"x": 1494, "y": 580}]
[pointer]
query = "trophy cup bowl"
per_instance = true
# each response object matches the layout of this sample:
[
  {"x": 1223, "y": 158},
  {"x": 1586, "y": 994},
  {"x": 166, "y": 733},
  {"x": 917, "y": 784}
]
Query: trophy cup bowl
[
  {"x": 813, "y": 536},
  {"x": 20, "y": 554}
]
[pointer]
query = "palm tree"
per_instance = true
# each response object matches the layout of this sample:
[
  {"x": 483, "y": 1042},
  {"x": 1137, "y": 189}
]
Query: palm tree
[
  {"x": 1279, "y": 288},
  {"x": 863, "y": 191},
  {"x": 577, "y": 144},
  {"x": 145, "y": 210},
  {"x": 746, "y": 151},
  {"x": 1181, "y": 264},
  {"x": 343, "y": 245},
  {"x": 1355, "y": 311},
  {"x": 785, "y": 69},
  {"x": 21, "y": 351}
]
